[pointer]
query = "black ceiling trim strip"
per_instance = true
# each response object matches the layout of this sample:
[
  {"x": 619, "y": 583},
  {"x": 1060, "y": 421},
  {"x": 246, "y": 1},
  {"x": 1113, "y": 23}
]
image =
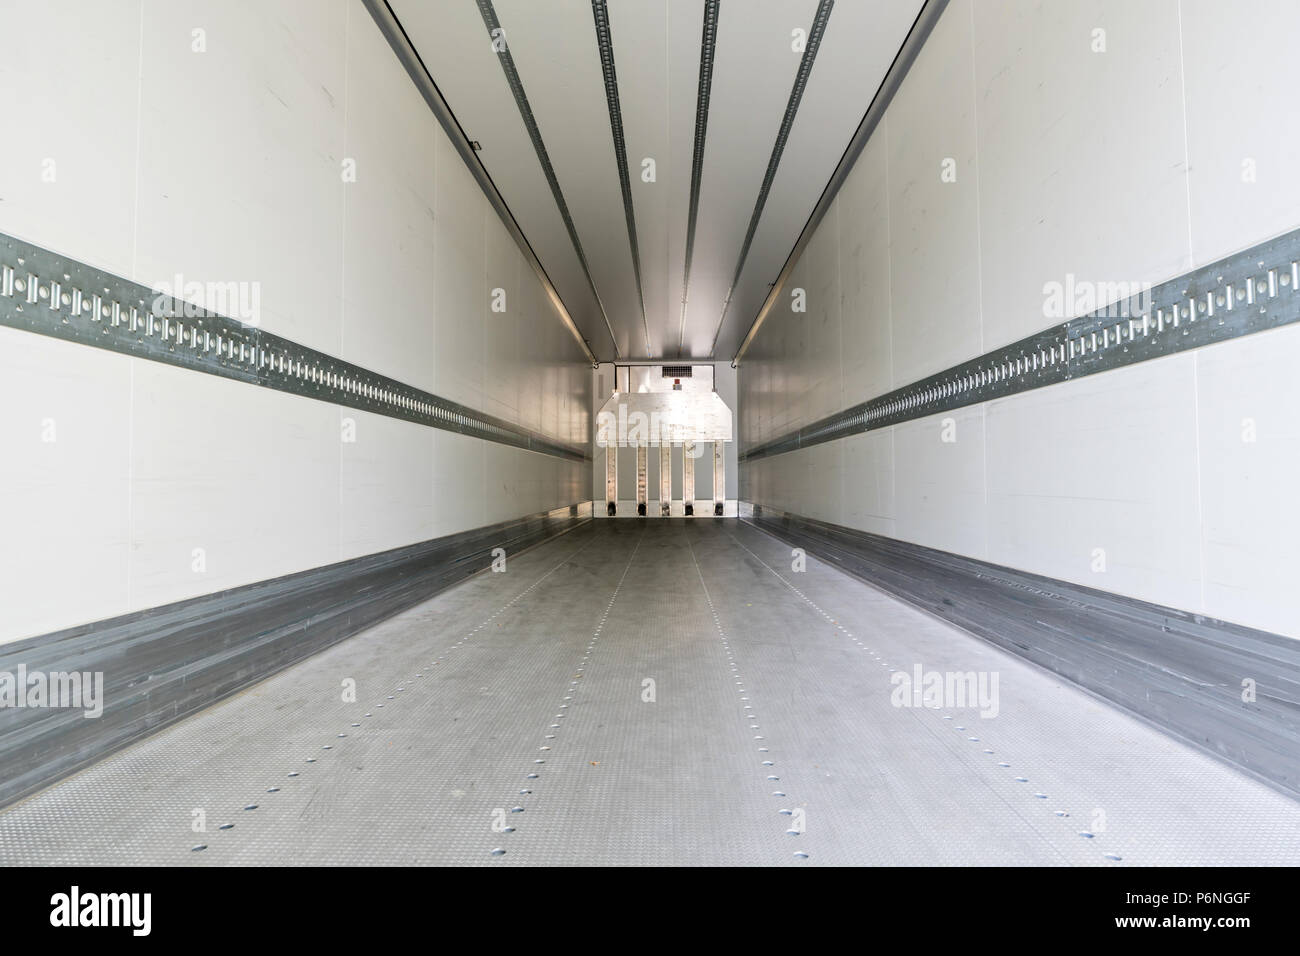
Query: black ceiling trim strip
[
  {"x": 605, "y": 42},
  {"x": 708, "y": 43},
  {"x": 507, "y": 61},
  {"x": 787, "y": 122}
]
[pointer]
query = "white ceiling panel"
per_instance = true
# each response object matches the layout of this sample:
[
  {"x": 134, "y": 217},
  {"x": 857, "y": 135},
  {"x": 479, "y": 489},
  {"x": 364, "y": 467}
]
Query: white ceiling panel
[{"x": 656, "y": 50}]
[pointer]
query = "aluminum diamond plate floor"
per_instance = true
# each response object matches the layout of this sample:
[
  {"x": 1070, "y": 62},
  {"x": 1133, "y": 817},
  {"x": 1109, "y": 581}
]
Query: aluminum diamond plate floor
[{"x": 655, "y": 692}]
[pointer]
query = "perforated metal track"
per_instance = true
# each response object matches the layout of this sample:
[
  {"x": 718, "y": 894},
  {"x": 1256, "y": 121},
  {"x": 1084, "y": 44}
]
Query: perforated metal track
[
  {"x": 690, "y": 686},
  {"x": 1250, "y": 291}
]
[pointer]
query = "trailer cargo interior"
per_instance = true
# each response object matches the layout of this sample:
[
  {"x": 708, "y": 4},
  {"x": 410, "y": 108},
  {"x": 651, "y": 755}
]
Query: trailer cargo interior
[{"x": 649, "y": 432}]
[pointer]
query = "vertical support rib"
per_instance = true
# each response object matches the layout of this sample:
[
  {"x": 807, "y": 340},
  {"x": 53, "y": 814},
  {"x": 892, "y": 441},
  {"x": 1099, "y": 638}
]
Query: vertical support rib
[
  {"x": 642, "y": 463},
  {"x": 688, "y": 476},
  {"x": 719, "y": 477},
  {"x": 611, "y": 479},
  {"x": 665, "y": 479}
]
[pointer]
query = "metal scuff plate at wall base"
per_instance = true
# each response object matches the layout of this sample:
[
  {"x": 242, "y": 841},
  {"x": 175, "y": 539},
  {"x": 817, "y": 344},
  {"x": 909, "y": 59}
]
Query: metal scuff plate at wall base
[{"x": 666, "y": 722}]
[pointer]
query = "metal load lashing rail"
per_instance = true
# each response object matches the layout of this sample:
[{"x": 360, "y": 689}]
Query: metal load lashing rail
[
  {"x": 1245, "y": 293},
  {"x": 46, "y": 293}
]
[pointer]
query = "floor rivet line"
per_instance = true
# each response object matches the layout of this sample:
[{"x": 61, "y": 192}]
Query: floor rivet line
[
  {"x": 1002, "y": 764},
  {"x": 796, "y": 827},
  {"x": 681, "y": 783},
  {"x": 401, "y": 688},
  {"x": 538, "y": 762}
]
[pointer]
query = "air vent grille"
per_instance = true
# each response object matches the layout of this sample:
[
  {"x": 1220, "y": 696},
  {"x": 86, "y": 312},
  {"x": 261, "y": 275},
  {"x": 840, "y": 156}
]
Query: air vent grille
[{"x": 677, "y": 371}]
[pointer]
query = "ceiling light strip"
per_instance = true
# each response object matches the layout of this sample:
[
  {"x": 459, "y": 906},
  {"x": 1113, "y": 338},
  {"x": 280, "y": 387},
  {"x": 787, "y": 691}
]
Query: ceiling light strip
[
  {"x": 507, "y": 62},
  {"x": 606, "y": 45},
  {"x": 708, "y": 43},
  {"x": 787, "y": 122}
]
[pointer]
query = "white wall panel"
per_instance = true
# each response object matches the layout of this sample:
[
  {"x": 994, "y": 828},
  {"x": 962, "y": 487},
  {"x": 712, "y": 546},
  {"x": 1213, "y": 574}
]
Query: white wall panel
[
  {"x": 934, "y": 263},
  {"x": 240, "y": 178},
  {"x": 383, "y": 487},
  {"x": 821, "y": 481},
  {"x": 1242, "y": 139},
  {"x": 1095, "y": 482},
  {"x": 703, "y": 472},
  {"x": 389, "y": 222},
  {"x": 940, "y": 490},
  {"x": 862, "y": 215},
  {"x": 65, "y": 59},
  {"x": 1117, "y": 166},
  {"x": 255, "y": 488},
  {"x": 823, "y": 374},
  {"x": 502, "y": 330},
  {"x": 1059, "y": 191},
  {"x": 867, "y": 482},
  {"x": 1250, "y": 462},
  {"x": 65, "y": 480},
  {"x": 459, "y": 497},
  {"x": 461, "y": 294}
]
